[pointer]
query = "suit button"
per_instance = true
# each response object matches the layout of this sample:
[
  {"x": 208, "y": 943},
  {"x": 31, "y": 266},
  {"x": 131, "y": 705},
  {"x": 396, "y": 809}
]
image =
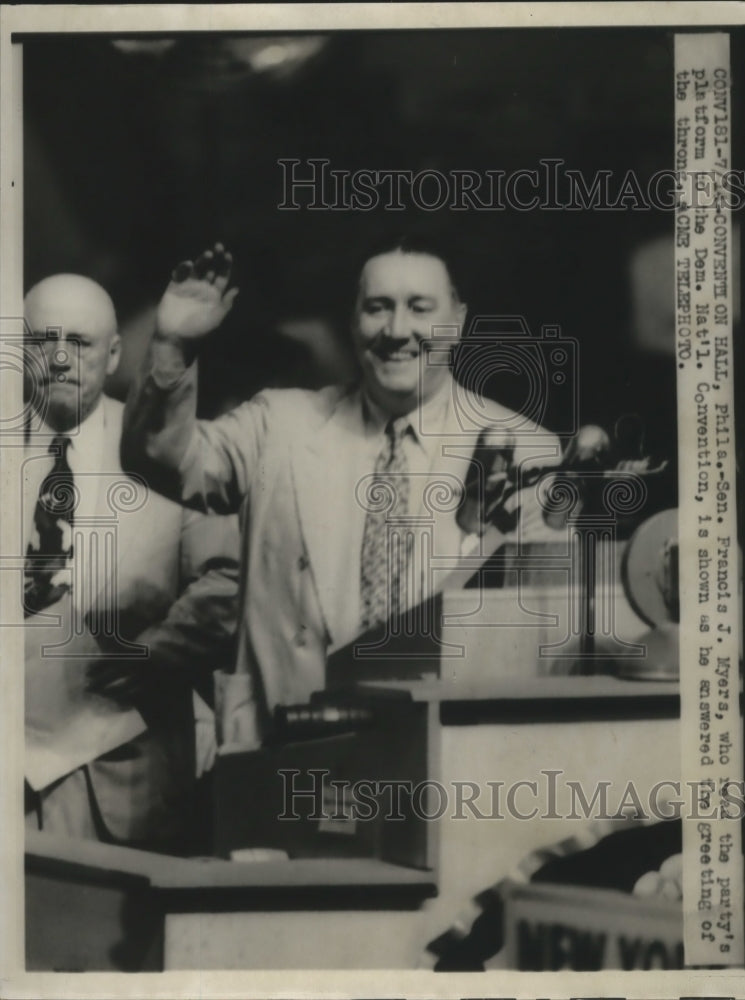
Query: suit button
[
  {"x": 300, "y": 639},
  {"x": 302, "y": 563}
]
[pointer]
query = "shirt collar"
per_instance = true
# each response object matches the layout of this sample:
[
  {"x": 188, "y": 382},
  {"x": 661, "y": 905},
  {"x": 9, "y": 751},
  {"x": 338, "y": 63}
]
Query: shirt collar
[
  {"x": 84, "y": 437},
  {"x": 425, "y": 423}
]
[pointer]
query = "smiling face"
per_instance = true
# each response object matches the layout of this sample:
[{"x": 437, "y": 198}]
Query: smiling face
[
  {"x": 73, "y": 325},
  {"x": 403, "y": 299}
]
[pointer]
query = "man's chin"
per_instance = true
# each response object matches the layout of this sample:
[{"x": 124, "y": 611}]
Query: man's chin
[
  {"x": 397, "y": 376},
  {"x": 394, "y": 397},
  {"x": 63, "y": 416},
  {"x": 401, "y": 386}
]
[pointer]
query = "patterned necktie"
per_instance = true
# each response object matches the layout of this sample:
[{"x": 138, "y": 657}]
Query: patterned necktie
[
  {"x": 50, "y": 548},
  {"x": 384, "y": 553}
]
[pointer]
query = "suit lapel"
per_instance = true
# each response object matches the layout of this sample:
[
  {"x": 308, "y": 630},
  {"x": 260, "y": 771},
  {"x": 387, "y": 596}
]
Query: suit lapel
[{"x": 324, "y": 474}]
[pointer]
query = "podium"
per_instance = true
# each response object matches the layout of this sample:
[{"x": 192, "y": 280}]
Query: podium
[
  {"x": 419, "y": 721},
  {"x": 346, "y": 794}
]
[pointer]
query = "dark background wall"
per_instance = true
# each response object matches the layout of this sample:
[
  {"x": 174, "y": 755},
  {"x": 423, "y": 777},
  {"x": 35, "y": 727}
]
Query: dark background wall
[{"x": 137, "y": 156}]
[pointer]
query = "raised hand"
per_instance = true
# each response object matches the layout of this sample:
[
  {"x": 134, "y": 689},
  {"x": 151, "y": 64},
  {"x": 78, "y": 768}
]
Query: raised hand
[{"x": 197, "y": 300}]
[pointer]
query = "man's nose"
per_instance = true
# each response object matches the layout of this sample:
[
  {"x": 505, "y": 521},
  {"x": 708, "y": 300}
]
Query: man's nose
[
  {"x": 60, "y": 356},
  {"x": 398, "y": 326}
]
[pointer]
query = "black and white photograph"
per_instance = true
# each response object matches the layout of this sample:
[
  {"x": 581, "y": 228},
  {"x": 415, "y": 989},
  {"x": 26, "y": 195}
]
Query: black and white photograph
[{"x": 371, "y": 592}]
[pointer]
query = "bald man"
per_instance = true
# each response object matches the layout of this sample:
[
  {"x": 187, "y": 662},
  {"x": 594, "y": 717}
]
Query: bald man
[
  {"x": 76, "y": 323},
  {"x": 130, "y": 601}
]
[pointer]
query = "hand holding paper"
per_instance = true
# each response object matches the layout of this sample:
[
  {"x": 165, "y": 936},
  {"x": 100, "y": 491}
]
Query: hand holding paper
[{"x": 67, "y": 725}]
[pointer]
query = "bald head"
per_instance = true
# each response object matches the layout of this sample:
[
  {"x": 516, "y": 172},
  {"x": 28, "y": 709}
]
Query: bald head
[
  {"x": 73, "y": 325},
  {"x": 68, "y": 300}
]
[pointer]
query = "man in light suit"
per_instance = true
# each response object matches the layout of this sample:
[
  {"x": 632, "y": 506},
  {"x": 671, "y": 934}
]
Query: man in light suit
[
  {"x": 313, "y": 473},
  {"x": 130, "y": 600}
]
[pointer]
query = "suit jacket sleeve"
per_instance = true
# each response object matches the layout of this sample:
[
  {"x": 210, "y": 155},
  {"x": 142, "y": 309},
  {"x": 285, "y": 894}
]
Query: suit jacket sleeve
[
  {"x": 206, "y": 465},
  {"x": 197, "y": 635}
]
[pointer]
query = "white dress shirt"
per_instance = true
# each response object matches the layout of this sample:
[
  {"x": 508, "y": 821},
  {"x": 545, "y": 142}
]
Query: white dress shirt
[
  {"x": 420, "y": 447},
  {"x": 85, "y": 456}
]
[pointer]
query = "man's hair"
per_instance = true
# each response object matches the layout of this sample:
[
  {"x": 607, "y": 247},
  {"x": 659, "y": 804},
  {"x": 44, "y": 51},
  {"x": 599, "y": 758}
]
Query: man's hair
[{"x": 414, "y": 243}]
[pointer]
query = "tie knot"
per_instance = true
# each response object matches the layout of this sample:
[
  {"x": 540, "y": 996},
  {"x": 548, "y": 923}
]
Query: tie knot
[
  {"x": 396, "y": 429},
  {"x": 59, "y": 445}
]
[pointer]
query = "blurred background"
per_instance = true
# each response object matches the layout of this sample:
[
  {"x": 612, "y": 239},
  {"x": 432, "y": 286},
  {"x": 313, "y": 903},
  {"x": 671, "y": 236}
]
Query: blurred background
[{"x": 142, "y": 151}]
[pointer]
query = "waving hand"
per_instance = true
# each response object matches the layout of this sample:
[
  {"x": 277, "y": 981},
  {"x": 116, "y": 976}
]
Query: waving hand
[{"x": 197, "y": 299}]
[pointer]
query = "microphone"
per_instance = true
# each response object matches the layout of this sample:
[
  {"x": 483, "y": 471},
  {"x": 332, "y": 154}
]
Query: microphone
[
  {"x": 493, "y": 476},
  {"x": 588, "y": 451},
  {"x": 490, "y": 481}
]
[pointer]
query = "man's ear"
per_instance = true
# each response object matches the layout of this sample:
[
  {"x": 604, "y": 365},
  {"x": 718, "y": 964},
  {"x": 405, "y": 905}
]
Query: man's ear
[
  {"x": 115, "y": 350},
  {"x": 461, "y": 311}
]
